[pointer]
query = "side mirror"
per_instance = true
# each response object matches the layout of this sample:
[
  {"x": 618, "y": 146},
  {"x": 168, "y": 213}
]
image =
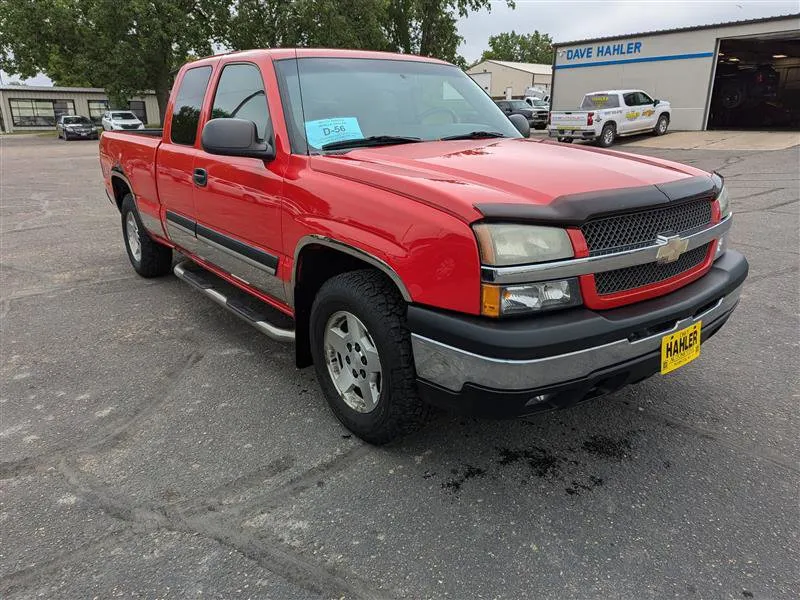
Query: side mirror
[
  {"x": 521, "y": 123},
  {"x": 235, "y": 137}
]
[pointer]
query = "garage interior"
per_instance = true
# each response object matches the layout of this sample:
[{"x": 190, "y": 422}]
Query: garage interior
[{"x": 757, "y": 84}]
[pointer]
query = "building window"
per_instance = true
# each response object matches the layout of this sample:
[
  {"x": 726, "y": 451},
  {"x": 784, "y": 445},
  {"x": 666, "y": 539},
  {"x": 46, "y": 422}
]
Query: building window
[
  {"x": 137, "y": 107},
  {"x": 38, "y": 113},
  {"x": 96, "y": 110}
]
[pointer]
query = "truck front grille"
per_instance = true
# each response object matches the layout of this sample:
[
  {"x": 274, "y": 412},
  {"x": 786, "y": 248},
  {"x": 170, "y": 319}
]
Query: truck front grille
[
  {"x": 629, "y": 278},
  {"x": 618, "y": 233}
]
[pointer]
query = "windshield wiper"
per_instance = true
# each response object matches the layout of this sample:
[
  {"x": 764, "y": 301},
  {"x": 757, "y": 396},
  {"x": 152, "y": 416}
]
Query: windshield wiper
[
  {"x": 475, "y": 135},
  {"x": 373, "y": 140}
]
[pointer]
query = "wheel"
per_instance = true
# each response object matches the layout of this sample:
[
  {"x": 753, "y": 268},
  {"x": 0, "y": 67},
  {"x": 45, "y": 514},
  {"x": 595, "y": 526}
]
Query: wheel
[
  {"x": 607, "y": 136},
  {"x": 363, "y": 358},
  {"x": 149, "y": 258},
  {"x": 565, "y": 140},
  {"x": 661, "y": 125},
  {"x": 540, "y": 127}
]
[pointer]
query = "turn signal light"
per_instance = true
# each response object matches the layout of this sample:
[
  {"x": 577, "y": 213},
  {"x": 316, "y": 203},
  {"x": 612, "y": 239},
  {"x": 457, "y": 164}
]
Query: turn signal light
[
  {"x": 490, "y": 300},
  {"x": 590, "y": 119}
]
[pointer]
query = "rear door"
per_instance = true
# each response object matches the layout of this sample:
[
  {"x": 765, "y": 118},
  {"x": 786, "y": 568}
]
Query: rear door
[
  {"x": 176, "y": 156},
  {"x": 239, "y": 205}
]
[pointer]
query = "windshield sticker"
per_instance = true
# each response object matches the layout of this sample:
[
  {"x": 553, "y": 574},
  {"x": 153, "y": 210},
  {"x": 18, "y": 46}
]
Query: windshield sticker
[{"x": 325, "y": 131}]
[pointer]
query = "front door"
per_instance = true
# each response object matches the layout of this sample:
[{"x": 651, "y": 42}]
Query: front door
[
  {"x": 239, "y": 203},
  {"x": 648, "y": 110}
]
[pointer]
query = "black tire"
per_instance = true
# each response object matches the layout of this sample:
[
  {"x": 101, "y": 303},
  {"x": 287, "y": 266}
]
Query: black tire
[
  {"x": 565, "y": 140},
  {"x": 155, "y": 259},
  {"x": 607, "y": 136},
  {"x": 661, "y": 125},
  {"x": 370, "y": 297}
]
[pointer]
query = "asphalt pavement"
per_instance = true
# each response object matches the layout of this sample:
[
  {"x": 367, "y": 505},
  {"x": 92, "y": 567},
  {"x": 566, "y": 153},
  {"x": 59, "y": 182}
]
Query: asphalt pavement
[{"x": 154, "y": 446}]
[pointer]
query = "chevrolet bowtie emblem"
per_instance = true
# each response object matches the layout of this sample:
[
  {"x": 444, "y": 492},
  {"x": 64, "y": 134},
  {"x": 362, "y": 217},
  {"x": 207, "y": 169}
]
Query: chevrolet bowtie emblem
[{"x": 671, "y": 248}]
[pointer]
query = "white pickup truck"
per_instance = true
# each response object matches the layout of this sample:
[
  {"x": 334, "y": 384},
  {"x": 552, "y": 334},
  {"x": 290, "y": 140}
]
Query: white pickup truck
[{"x": 605, "y": 115}]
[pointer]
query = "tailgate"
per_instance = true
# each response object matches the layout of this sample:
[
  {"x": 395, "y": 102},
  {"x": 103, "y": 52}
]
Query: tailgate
[{"x": 567, "y": 119}]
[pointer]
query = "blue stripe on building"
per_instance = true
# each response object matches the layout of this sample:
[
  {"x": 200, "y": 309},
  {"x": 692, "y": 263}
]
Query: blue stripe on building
[{"x": 603, "y": 63}]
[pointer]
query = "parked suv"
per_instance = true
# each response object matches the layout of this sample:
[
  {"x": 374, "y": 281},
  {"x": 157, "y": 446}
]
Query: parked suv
[
  {"x": 72, "y": 127},
  {"x": 437, "y": 257},
  {"x": 536, "y": 117},
  {"x": 120, "y": 119}
]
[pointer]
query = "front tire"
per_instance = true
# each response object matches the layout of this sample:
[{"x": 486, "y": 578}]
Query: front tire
[
  {"x": 148, "y": 258},
  {"x": 607, "y": 136},
  {"x": 661, "y": 125},
  {"x": 565, "y": 140},
  {"x": 362, "y": 356}
]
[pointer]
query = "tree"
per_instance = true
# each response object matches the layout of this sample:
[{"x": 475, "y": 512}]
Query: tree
[
  {"x": 125, "y": 47},
  {"x": 519, "y": 47},
  {"x": 429, "y": 27},
  {"x": 307, "y": 23}
]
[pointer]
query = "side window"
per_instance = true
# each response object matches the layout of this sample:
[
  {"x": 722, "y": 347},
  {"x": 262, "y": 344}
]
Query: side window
[
  {"x": 186, "y": 111},
  {"x": 240, "y": 95},
  {"x": 630, "y": 99},
  {"x": 644, "y": 98}
]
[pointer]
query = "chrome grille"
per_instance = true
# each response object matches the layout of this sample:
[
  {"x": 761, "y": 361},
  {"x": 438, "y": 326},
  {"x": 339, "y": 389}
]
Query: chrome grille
[
  {"x": 638, "y": 229},
  {"x": 629, "y": 278}
]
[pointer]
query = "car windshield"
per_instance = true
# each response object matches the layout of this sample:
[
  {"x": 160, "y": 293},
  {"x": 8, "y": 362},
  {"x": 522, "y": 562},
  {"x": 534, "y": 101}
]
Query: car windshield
[
  {"x": 76, "y": 121},
  {"x": 517, "y": 104},
  {"x": 600, "y": 101},
  {"x": 537, "y": 102},
  {"x": 337, "y": 99},
  {"x": 123, "y": 116}
]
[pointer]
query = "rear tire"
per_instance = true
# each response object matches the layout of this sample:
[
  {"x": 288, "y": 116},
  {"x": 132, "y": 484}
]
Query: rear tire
[
  {"x": 565, "y": 140},
  {"x": 607, "y": 136},
  {"x": 360, "y": 341},
  {"x": 148, "y": 257}
]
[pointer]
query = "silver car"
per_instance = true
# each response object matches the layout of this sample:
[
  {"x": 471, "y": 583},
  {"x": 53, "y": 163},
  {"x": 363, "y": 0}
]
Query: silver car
[{"x": 115, "y": 120}]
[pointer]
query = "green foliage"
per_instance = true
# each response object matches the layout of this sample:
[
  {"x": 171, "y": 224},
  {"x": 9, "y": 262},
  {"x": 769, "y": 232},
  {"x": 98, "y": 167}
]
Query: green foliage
[
  {"x": 519, "y": 47},
  {"x": 130, "y": 46},
  {"x": 125, "y": 46}
]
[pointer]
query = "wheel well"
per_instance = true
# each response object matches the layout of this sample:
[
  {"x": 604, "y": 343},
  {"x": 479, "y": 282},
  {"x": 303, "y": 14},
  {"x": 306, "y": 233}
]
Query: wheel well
[
  {"x": 665, "y": 114},
  {"x": 120, "y": 190},
  {"x": 612, "y": 123},
  {"x": 315, "y": 265}
]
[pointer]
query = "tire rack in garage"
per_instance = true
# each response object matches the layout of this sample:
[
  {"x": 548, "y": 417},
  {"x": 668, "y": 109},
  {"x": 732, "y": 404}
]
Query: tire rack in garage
[{"x": 757, "y": 84}]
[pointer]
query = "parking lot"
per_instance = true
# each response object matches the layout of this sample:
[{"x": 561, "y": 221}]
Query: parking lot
[{"x": 152, "y": 445}]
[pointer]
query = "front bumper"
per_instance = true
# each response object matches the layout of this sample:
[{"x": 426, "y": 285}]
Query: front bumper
[{"x": 518, "y": 367}]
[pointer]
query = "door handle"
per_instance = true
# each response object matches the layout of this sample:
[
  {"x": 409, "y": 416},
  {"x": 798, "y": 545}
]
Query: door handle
[{"x": 200, "y": 177}]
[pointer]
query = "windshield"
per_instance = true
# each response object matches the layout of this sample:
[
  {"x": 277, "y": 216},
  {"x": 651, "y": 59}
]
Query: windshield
[
  {"x": 537, "y": 102},
  {"x": 519, "y": 104},
  {"x": 123, "y": 116},
  {"x": 337, "y": 99},
  {"x": 76, "y": 121},
  {"x": 600, "y": 101}
]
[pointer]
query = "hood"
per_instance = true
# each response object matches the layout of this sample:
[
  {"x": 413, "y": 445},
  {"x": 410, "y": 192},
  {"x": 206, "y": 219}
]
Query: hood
[{"x": 454, "y": 176}]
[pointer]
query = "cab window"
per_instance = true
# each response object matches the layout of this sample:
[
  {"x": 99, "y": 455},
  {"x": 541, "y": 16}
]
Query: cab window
[
  {"x": 186, "y": 110},
  {"x": 240, "y": 95},
  {"x": 631, "y": 99},
  {"x": 644, "y": 98}
]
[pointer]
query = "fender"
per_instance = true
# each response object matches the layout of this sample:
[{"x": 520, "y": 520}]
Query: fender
[
  {"x": 151, "y": 224},
  {"x": 321, "y": 240}
]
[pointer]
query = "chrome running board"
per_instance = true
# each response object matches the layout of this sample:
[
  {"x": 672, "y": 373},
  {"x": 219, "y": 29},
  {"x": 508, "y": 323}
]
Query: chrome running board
[{"x": 260, "y": 315}]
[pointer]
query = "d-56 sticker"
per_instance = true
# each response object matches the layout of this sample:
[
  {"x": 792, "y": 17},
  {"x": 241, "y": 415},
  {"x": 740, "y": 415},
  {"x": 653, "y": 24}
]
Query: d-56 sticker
[{"x": 325, "y": 131}]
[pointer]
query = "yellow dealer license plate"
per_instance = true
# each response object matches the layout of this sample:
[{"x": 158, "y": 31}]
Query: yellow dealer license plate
[{"x": 680, "y": 348}]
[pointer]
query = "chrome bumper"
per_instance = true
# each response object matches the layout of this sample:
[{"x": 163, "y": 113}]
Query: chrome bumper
[{"x": 451, "y": 367}]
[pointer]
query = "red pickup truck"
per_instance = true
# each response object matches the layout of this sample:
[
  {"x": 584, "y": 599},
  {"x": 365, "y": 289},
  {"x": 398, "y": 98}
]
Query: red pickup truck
[{"x": 381, "y": 212}]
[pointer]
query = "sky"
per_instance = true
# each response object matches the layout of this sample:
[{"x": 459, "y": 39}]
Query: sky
[{"x": 567, "y": 20}]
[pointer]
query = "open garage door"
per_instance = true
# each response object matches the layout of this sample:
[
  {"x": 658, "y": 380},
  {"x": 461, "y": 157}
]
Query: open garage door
[{"x": 757, "y": 84}]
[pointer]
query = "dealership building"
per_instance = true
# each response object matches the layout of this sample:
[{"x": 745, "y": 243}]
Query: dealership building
[
  {"x": 506, "y": 79},
  {"x": 742, "y": 74},
  {"x": 37, "y": 108}
]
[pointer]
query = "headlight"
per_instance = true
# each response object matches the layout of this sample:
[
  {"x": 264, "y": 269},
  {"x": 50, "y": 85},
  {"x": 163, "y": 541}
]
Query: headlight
[
  {"x": 503, "y": 244},
  {"x": 527, "y": 298},
  {"x": 724, "y": 203}
]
